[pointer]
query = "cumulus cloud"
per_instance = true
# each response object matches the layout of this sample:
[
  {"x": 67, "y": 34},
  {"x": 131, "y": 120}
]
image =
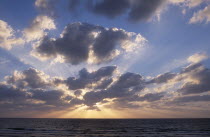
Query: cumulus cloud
[
  {"x": 199, "y": 80},
  {"x": 7, "y": 37},
  {"x": 82, "y": 42},
  {"x": 15, "y": 99},
  {"x": 33, "y": 88},
  {"x": 88, "y": 78},
  {"x": 31, "y": 78},
  {"x": 163, "y": 78},
  {"x": 126, "y": 86},
  {"x": 201, "y": 16},
  {"x": 193, "y": 79},
  {"x": 38, "y": 27},
  {"x": 196, "y": 58},
  {"x": 135, "y": 10}
]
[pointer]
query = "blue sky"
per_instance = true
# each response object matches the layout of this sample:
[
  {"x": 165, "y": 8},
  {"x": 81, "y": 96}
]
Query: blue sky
[{"x": 174, "y": 36}]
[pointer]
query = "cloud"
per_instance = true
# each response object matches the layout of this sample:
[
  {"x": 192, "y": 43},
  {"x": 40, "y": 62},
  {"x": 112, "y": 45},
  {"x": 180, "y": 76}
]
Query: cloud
[
  {"x": 82, "y": 42},
  {"x": 88, "y": 78},
  {"x": 195, "y": 98},
  {"x": 193, "y": 79},
  {"x": 144, "y": 9},
  {"x": 135, "y": 10},
  {"x": 162, "y": 78},
  {"x": 201, "y": 16},
  {"x": 197, "y": 79},
  {"x": 102, "y": 87},
  {"x": 109, "y": 8},
  {"x": 46, "y": 7},
  {"x": 37, "y": 28},
  {"x": 7, "y": 37},
  {"x": 150, "y": 97},
  {"x": 42, "y": 91},
  {"x": 188, "y": 3},
  {"x": 10, "y": 93},
  {"x": 31, "y": 78},
  {"x": 126, "y": 86},
  {"x": 24, "y": 100},
  {"x": 196, "y": 58}
]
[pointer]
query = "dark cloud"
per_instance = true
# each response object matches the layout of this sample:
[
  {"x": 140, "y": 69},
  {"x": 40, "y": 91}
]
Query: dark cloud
[
  {"x": 194, "y": 98},
  {"x": 109, "y": 8},
  {"x": 33, "y": 90},
  {"x": 200, "y": 78},
  {"x": 82, "y": 41},
  {"x": 191, "y": 68},
  {"x": 195, "y": 78},
  {"x": 144, "y": 9},
  {"x": 126, "y": 86},
  {"x": 50, "y": 97},
  {"x": 77, "y": 92},
  {"x": 10, "y": 94},
  {"x": 107, "y": 41},
  {"x": 163, "y": 78},
  {"x": 150, "y": 97},
  {"x": 30, "y": 91},
  {"x": 104, "y": 83},
  {"x": 30, "y": 78},
  {"x": 86, "y": 78},
  {"x": 129, "y": 101},
  {"x": 136, "y": 10},
  {"x": 25, "y": 100}
]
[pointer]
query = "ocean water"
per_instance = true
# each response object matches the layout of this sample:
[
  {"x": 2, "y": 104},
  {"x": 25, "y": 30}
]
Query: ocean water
[{"x": 21, "y": 127}]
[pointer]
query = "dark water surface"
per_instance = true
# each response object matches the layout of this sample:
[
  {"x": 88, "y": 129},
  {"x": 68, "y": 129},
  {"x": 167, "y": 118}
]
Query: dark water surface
[{"x": 104, "y": 127}]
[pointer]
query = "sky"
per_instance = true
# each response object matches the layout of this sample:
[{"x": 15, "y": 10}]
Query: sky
[{"x": 105, "y": 58}]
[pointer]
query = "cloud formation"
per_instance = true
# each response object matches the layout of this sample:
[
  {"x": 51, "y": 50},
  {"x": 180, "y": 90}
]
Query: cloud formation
[
  {"x": 195, "y": 98},
  {"x": 198, "y": 57},
  {"x": 82, "y": 42},
  {"x": 198, "y": 82},
  {"x": 89, "y": 78},
  {"x": 32, "y": 89},
  {"x": 135, "y": 10},
  {"x": 201, "y": 16},
  {"x": 126, "y": 86},
  {"x": 163, "y": 78},
  {"x": 7, "y": 36},
  {"x": 38, "y": 27},
  {"x": 31, "y": 78}
]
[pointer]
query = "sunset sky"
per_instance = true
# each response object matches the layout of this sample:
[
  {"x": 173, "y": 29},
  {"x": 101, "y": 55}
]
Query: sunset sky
[{"x": 105, "y": 58}]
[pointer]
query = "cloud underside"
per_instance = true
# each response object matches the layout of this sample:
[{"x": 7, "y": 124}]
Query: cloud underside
[
  {"x": 141, "y": 10},
  {"x": 82, "y": 42},
  {"x": 136, "y": 10},
  {"x": 32, "y": 89}
]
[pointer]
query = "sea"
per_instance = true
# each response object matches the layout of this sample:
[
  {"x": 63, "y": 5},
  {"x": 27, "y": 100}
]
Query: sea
[{"x": 41, "y": 127}]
